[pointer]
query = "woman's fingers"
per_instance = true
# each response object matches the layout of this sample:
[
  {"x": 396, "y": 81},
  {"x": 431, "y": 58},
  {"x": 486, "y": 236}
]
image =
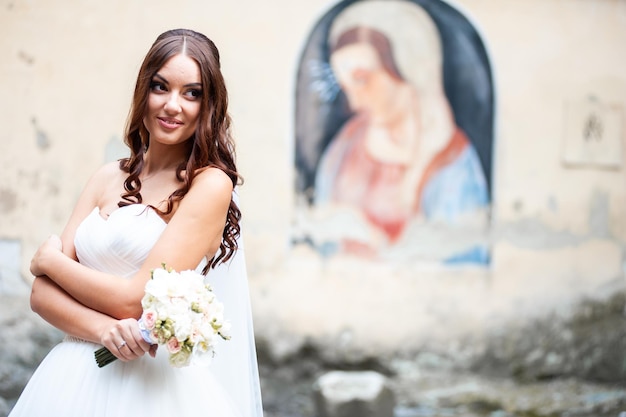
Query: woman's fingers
[
  {"x": 134, "y": 345},
  {"x": 153, "y": 350},
  {"x": 124, "y": 340},
  {"x": 138, "y": 337},
  {"x": 37, "y": 263}
]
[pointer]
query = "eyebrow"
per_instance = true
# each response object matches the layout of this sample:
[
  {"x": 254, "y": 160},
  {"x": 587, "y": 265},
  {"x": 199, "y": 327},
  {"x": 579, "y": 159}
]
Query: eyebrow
[{"x": 162, "y": 78}]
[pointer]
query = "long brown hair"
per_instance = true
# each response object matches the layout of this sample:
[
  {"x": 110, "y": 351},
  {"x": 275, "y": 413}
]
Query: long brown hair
[{"x": 211, "y": 144}]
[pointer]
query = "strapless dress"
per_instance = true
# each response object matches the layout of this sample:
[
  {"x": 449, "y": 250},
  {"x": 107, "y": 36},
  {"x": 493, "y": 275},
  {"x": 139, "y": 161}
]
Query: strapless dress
[{"x": 68, "y": 382}]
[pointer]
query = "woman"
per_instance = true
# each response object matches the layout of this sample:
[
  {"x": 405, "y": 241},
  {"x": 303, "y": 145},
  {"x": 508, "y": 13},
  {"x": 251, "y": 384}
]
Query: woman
[
  {"x": 170, "y": 202},
  {"x": 400, "y": 156}
]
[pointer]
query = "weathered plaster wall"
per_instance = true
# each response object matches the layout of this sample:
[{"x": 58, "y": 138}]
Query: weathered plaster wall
[{"x": 559, "y": 232}]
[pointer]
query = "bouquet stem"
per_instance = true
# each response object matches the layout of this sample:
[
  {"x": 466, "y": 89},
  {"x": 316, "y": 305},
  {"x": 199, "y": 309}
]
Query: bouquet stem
[{"x": 104, "y": 357}]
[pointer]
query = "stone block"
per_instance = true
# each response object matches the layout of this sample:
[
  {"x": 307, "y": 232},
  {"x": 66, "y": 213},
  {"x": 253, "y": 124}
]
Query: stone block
[{"x": 353, "y": 394}]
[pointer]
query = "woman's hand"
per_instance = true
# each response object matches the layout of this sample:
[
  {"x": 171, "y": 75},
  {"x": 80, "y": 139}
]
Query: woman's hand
[
  {"x": 124, "y": 340},
  {"x": 51, "y": 247}
]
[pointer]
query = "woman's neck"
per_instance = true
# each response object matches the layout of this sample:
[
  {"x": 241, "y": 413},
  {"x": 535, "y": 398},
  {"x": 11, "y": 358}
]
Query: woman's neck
[{"x": 162, "y": 158}]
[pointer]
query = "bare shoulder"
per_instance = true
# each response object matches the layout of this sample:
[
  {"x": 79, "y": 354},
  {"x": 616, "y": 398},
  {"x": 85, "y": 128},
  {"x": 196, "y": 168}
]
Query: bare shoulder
[
  {"x": 94, "y": 192},
  {"x": 212, "y": 181},
  {"x": 207, "y": 200},
  {"x": 102, "y": 177},
  {"x": 108, "y": 171}
]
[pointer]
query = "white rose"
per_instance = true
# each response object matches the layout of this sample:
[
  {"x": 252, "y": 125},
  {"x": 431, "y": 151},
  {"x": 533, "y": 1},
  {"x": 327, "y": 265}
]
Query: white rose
[
  {"x": 157, "y": 286},
  {"x": 183, "y": 327},
  {"x": 180, "y": 359}
]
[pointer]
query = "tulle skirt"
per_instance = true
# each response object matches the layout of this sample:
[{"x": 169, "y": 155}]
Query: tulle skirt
[{"x": 68, "y": 383}]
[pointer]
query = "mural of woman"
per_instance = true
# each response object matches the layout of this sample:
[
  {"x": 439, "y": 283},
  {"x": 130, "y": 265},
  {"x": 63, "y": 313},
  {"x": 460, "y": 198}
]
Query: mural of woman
[
  {"x": 399, "y": 158},
  {"x": 384, "y": 170}
]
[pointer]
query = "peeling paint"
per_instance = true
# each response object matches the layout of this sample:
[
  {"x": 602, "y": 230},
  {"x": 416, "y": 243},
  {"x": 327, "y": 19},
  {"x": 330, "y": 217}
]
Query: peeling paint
[
  {"x": 553, "y": 205},
  {"x": 32, "y": 177},
  {"x": 599, "y": 214},
  {"x": 532, "y": 233},
  {"x": 41, "y": 138},
  {"x": 53, "y": 188},
  {"x": 8, "y": 200},
  {"x": 26, "y": 58}
]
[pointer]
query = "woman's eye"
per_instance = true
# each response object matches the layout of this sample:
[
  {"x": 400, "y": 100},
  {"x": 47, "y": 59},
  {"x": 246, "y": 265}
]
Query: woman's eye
[
  {"x": 194, "y": 94},
  {"x": 157, "y": 86}
]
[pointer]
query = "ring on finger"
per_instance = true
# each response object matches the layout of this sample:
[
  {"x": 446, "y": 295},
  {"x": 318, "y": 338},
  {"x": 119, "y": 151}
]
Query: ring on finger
[{"x": 121, "y": 345}]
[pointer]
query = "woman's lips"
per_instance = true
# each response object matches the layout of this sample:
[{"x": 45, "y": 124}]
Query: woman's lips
[{"x": 169, "y": 123}]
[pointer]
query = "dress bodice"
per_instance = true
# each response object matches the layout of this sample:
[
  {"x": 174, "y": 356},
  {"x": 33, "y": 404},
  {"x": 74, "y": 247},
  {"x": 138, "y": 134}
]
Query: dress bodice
[{"x": 119, "y": 244}]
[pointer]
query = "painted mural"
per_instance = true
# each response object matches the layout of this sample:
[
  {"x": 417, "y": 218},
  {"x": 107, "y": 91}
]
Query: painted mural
[{"x": 394, "y": 131}]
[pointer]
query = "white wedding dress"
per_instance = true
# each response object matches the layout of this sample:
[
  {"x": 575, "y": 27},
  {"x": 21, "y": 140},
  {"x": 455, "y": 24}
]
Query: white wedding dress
[{"x": 68, "y": 383}]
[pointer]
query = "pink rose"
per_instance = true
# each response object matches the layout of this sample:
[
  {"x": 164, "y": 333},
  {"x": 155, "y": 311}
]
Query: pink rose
[
  {"x": 155, "y": 336},
  {"x": 149, "y": 318},
  {"x": 173, "y": 345}
]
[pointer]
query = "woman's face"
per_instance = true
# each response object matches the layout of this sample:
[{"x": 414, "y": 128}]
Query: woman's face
[
  {"x": 360, "y": 73},
  {"x": 174, "y": 101}
]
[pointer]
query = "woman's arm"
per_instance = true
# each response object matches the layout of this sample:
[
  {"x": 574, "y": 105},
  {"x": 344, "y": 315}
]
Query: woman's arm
[
  {"x": 66, "y": 314},
  {"x": 62, "y": 311},
  {"x": 194, "y": 231}
]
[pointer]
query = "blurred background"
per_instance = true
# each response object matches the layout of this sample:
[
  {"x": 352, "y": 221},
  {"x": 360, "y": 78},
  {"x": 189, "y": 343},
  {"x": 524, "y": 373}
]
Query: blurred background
[{"x": 534, "y": 325}]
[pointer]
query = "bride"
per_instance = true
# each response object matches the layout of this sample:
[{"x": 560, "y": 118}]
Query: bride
[{"x": 171, "y": 201}]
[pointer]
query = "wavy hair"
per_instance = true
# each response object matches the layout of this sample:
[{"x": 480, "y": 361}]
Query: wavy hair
[{"x": 211, "y": 144}]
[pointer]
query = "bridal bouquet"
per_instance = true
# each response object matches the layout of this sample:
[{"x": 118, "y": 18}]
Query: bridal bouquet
[{"x": 181, "y": 312}]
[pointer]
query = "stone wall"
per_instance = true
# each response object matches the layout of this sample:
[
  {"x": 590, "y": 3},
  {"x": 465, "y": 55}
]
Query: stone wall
[{"x": 558, "y": 225}]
